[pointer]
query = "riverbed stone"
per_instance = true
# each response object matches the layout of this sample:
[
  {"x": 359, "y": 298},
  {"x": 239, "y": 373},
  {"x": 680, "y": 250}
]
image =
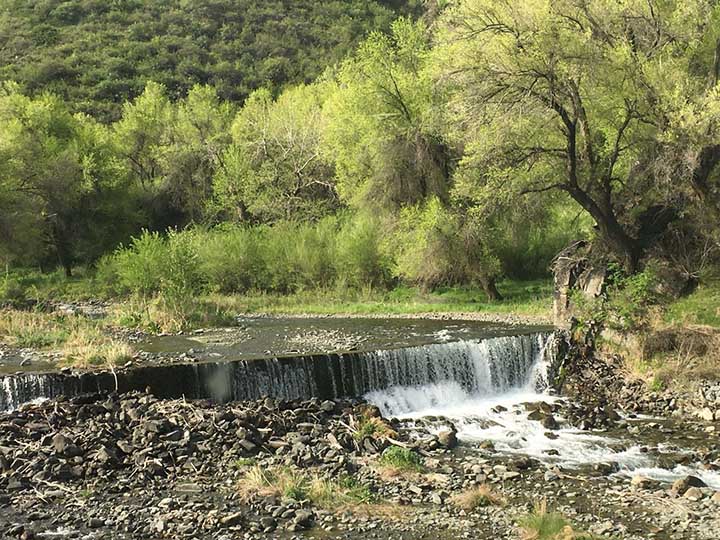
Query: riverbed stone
[
  {"x": 681, "y": 485},
  {"x": 643, "y": 482},
  {"x": 448, "y": 438},
  {"x": 693, "y": 494}
]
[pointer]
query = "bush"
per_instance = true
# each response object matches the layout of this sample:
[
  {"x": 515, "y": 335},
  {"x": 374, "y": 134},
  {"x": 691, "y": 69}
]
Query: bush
[
  {"x": 359, "y": 259},
  {"x": 232, "y": 260},
  {"x": 401, "y": 459},
  {"x": 435, "y": 246},
  {"x": 140, "y": 267},
  {"x": 12, "y": 291}
]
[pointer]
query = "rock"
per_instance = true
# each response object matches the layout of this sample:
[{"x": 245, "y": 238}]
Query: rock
[
  {"x": 706, "y": 414},
  {"x": 59, "y": 443},
  {"x": 681, "y": 485},
  {"x": 232, "y": 520},
  {"x": 448, "y": 438},
  {"x": 327, "y": 406},
  {"x": 551, "y": 476},
  {"x": 549, "y": 422},
  {"x": 716, "y": 497},
  {"x": 606, "y": 468},
  {"x": 643, "y": 482},
  {"x": 693, "y": 494},
  {"x": 95, "y": 523},
  {"x": 304, "y": 518}
]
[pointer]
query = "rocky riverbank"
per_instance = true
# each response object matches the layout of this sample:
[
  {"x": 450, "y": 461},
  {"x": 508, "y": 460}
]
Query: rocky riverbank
[{"x": 133, "y": 466}]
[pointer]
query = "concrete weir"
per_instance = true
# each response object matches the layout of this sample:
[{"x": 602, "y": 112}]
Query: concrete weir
[{"x": 484, "y": 366}]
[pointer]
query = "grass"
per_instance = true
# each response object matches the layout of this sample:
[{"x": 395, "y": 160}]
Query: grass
[
  {"x": 374, "y": 428},
  {"x": 242, "y": 463},
  {"x": 401, "y": 460},
  {"x": 301, "y": 486},
  {"x": 529, "y": 298},
  {"x": 542, "y": 524},
  {"x": 160, "y": 315},
  {"x": 34, "y": 329},
  {"x": 87, "y": 349},
  {"x": 82, "y": 342},
  {"x": 702, "y": 307},
  {"x": 477, "y": 497}
]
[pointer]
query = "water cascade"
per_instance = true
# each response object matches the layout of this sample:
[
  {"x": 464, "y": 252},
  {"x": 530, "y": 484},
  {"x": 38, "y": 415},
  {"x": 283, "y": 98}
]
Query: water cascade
[{"x": 488, "y": 366}]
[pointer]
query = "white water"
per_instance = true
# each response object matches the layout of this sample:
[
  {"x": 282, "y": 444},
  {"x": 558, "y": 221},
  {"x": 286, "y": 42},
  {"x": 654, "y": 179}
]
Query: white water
[{"x": 477, "y": 417}]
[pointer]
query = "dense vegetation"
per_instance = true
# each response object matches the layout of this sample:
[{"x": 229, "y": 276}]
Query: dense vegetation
[
  {"x": 98, "y": 53},
  {"x": 455, "y": 148}
]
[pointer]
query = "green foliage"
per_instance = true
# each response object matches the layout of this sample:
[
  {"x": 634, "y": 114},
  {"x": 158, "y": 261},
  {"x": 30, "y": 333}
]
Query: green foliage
[
  {"x": 702, "y": 307},
  {"x": 541, "y": 105},
  {"x": 437, "y": 246},
  {"x": 381, "y": 132},
  {"x": 273, "y": 168},
  {"x": 627, "y": 302},
  {"x": 360, "y": 258},
  {"x": 232, "y": 259},
  {"x": 98, "y": 54},
  {"x": 401, "y": 459},
  {"x": 12, "y": 291},
  {"x": 141, "y": 266}
]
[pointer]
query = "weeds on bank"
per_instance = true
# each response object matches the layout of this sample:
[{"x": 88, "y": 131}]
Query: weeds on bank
[
  {"x": 542, "y": 524},
  {"x": 477, "y": 497},
  {"x": 401, "y": 460},
  {"x": 373, "y": 427},
  {"x": 88, "y": 349},
  {"x": 161, "y": 314},
  {"x": 34, "y": 329},
  {"x": 81, "y": 342},
  {"x": 300, "y": 486}
]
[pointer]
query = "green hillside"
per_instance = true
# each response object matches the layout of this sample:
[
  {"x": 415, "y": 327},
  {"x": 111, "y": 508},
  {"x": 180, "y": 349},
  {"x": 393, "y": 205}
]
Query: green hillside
[{"x": 100, "y": 53}]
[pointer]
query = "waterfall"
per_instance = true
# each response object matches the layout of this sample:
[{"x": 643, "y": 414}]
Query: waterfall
[
  {"x": 473, "y": 367},
  {"x": 451, "y": 374}
]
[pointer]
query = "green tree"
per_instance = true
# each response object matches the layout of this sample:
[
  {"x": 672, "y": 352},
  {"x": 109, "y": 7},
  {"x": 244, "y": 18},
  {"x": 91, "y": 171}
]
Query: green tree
[
  {"x": 273, "y": 169},
  {"x": 173, "y": 151},
  {"x": 59, "y": 181},
  {"x": 568, "y": 95},
  {"x": 382, "y": 123}
]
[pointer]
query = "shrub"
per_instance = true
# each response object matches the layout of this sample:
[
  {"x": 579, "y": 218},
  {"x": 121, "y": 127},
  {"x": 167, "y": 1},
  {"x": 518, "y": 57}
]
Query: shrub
[
  {"x": 401, "y": 459},
  {"x": 12, "y": 291},
  {"x": 359, "y": 258},
  {"x": 232, "y": 259},
  {"x": 476, "y": 497},
  {"x": 140, "y": 267},
  {"x": 435, "y": 246}
]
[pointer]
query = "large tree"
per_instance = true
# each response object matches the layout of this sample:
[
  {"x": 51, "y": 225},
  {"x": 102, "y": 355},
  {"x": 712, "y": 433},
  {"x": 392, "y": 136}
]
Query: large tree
[
  {"x": 568, "y": 95},
  {"x": 63, "y": 193},
  {"x": 273, "y": 169},
  {"x": 382, "y": 131}
]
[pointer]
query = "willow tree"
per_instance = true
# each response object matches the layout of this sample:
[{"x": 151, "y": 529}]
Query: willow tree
[
  {"x": 381, "y": 132},
  {"x": 273, "y": 168},
  {"x": 568, "y": 95}
]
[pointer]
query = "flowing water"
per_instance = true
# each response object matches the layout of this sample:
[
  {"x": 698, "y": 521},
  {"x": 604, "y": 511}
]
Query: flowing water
[
  {"x": 488, "y": 403},
  {"x": 479, "y": 379}
]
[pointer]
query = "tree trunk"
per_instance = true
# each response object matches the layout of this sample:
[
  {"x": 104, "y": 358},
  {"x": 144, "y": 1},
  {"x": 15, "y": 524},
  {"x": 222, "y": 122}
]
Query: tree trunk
[
  {"x": 707, "y": 161},
  {"x": 490, "y": 289},
  {"x": 625, "y": 247},
  {"x": 62, "y": 249}
]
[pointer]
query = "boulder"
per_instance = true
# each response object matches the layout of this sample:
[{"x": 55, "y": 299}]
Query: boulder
[
  {"x": 681, "y": 485},
  {"x": 693, "y": 494},
  {"x": 448, "y": 438}
]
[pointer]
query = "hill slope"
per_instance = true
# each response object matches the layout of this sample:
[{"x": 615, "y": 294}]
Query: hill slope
[{"x": 99, "y": 53}]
